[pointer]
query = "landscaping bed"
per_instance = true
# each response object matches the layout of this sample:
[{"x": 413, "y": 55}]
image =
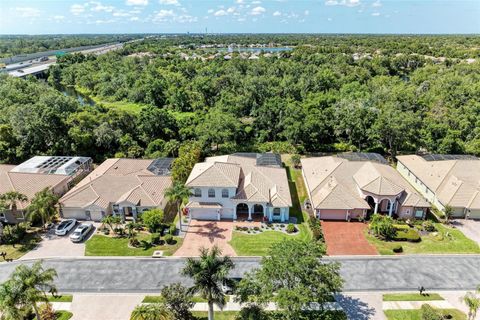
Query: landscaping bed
[
  {"x": 289, "y": 228},
  {"x": 230, "y": 315}
]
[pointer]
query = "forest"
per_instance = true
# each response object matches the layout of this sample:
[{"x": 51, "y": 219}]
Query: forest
[{"x": 386, "y": 94}]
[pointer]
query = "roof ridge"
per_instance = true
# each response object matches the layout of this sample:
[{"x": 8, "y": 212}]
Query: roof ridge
[
  {"x": 446, "y": 175},
  {"x": 456, "y": 189},
  {"x": 146, "y": 192},
  {"x": 475, "y": 194},
  {"x": 341, "y": 162}
]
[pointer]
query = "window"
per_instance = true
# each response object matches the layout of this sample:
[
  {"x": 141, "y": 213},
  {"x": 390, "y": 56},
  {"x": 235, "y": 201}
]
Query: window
[
  {"x": 224, "y": 193},
  {"x": 390, "y": 204},
  {"x": 276, "y": 211},
  {"x": 197, "y": 192},
  {"x": 211, "y": 193}
]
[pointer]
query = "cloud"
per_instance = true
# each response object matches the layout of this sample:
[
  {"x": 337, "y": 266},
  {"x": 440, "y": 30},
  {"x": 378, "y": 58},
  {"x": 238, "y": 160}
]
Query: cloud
[
  {"x": 231, "y": 10},
  {"x": 257, "y": 10},
  {"x": 76, "y": 9},
  {"x": 210, "y": 10},
  {"x": 171, "y": 16},
  {"x": 163, "y": 15},
  {"x": 121, "y": 14},
  {"x": 136, "y": 2},
  {"x": 27, "y": 12},
  {"x": 347, "y": 3},
  {"x": 239, "y": 1},
  {"x": 375, "y": 14},
  {"x": 256, "y": 2},
  {"x": 220, "y": 13},
  {"x": 98, "y": 7},
  {"x": 277, "y": 13},
  {"x": 377, "y": 4},
  {"x": 134, "y": 19},
  {"x": 169, "y": 2},
  {"x": 306, "y": 12}
]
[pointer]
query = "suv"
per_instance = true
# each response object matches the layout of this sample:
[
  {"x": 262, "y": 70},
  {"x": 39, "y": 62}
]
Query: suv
[
  {"x": 65, "y": 226},
  {"x": 81, "y": 232},
  {"x": 228, "y": 286}
]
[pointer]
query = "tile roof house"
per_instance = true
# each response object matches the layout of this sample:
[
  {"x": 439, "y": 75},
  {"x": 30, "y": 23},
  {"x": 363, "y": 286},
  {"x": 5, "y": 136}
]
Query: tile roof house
[
  {"x": 241, "y": 185},
  {"x": 452, "y": 180},
  {"x": 343, "y": 187},
  {"x": 37, "y": 173},
  {"x": 124, "y": 187}
]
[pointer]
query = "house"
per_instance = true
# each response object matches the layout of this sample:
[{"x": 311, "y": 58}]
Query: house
[
  {"x": 55, "y": 172},
  {"x": 452, "y": 180},
  {"x": 123, "y": 187},
  {"x": 240, "y": 186},
  {"x": 353, "y": 185}
]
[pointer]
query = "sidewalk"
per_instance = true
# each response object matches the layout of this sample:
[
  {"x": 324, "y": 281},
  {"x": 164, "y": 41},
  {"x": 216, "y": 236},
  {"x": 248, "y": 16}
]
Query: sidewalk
[
  {"x": 405, "y": 305},
  {"x": 234, "y": 306}
]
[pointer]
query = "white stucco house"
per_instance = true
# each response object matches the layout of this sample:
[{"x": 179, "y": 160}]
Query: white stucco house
[
  {"x": 240, "y": 186},
  {"x": 123, "y": 187},
  {"x": 452, "y": 180},
  {"x": 351, "y": 185}
]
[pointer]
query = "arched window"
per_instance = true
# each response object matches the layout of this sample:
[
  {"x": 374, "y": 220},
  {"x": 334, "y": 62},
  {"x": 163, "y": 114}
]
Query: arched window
[
  {"x": 211, "y": 193},
  {"x": 197, "y": 192},
  {"x": 224, "y": 193}
]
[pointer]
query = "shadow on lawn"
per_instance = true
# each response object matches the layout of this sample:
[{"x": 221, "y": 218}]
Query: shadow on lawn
[
  {"x": 355, "y": 308},
  {"x": 296, "y": 209}
]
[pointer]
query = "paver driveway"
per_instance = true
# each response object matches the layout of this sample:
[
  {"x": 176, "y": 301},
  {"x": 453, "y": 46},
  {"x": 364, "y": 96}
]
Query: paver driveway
[
  {"x": 346, "y": 238},
  {"x": 206, "y": 234}
]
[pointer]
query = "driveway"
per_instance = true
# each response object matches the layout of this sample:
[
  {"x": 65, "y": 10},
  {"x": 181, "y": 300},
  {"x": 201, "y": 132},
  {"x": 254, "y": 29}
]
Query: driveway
[
  {"x": 57, "y": 246},
  {"x": 104, "y": 306},
  {"x": 346, "y": 238},
  {"x": 206, "y": 234},
  {"x": 470, "y": 228}
]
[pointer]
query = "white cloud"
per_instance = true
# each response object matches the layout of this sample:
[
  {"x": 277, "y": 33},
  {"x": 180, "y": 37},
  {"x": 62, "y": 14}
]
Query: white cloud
[
  {"x": 58, "y": 18},
  {"x": 231, "y": 10},
  {"x": 27, "y": 12},
  {"x": 375, "y": 14},
  {"x": 171, "y": 16},
  {"x": 277, "y": 13},
  {"x": 210, "y": 10},
  {"x": 239, "y": 1},
  {"x": 347, "y": 3},
  {"x": 163, "y": 15},
  {"x": 169, "y": 2},
  {"x": 256, "y": 2},
  {"x": 329, "y": 19},
  {"x": 306, "y": 12},
  {"x": 377, "y": 4},
  {"x": 220, "y": 13},
  {"x": 104, "y": 21},
  {"x": 98, "y": 7},
  {"x": 136, "y": 2},
  {"x": 76, "y": 9},
  {"x": 257, "y": 10},
  {"x": 134, "y": 19},
  {"x": 121, "y": 14}
]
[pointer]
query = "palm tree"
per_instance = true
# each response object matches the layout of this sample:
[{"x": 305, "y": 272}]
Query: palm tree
[
  {"x": 11, "y": 301},
  {"x": 43, "y": 206},
  {"x": 111, "y": 220},
  {"x": 473, "y": 303},
  {"x": 177, "y": 193},
  {"x": 152, "y": 311},
  {"x": 11, "y": 198},
  {"x": 209, "y": 272}
]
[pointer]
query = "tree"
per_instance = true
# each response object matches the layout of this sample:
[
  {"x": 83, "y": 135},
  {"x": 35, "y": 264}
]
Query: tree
[
  {"x": 43, "y": 206},
  {"x": 295, "y": 159},
  {"x": 188, "y": 156},
  {"x": 208, "y": 273},
  {"x": 178, "y": 300},
  {"x": 177, "y": 194},
  {"x": 153, "y": 219},
  {"x": 112, "y": 221},
  {"x": 11, "y": 306},
  {"x": 26, "y": 287},
  {"x": 448, "y": 213},
  {"x": 11, "y": 198},
  {"x": 151, "y": 311},
  {"x": 293, "y": 276},
  {"x": 472, "y": 300}
]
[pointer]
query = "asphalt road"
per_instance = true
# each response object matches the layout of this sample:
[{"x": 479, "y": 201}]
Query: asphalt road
[{"x": 446, "y": 272}]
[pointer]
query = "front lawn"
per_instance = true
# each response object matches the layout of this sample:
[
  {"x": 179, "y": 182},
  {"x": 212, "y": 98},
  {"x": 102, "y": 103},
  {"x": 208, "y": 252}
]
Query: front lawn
[
  {"x": 230, "y": 315},
  {"x": 63, "y": 315},
  {"x": 29, "y": 242},
  {"x": 100, "y": 245},
  {"x": 62, "y": 298},
  {"x": 445, "y": 240},
  {"x": 417, "y": 314},
  {"x": 411, "y": 297}
]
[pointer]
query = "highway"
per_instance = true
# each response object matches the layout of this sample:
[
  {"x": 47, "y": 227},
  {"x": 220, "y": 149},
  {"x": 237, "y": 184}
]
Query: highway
[{"x": 367, "y": 273}]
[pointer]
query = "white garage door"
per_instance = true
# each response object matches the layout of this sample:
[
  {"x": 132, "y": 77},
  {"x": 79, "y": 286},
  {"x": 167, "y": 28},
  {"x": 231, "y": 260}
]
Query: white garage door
[
  {"x": 227, "y": 214},
  {"x": 74, "y": 214},
  {"x": 96, "y": 215},
  {"x": 203, "y": 214},
  {"x": 474, "y": 214},
  {"x": 333, "y": 214}
]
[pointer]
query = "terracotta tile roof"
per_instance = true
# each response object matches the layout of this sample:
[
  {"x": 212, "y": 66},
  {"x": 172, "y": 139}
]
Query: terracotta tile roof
[
  {"x": 118, "y": 180},
  {"x": 335, "y": 183},
  {"x": 454, "y": 182}
]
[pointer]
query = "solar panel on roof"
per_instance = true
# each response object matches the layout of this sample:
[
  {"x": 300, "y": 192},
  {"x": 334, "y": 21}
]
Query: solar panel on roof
[
  {"x": 362, "y": 156},
  {"x": 161, "y": 166}
]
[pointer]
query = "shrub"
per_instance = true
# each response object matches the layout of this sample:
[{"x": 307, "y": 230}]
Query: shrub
[
  {"x": 383, "y": 227},
  {"x": 119, "y": 231},
  {"x": 155, "y": 238},
  {"x": 168, "y": 239},
  {"x": 410, "y": 235},
  {"x": 134, "y": 242},
  {"x": 172, "y": 230},
  {"x": 316, "y": 228},
  {"x": 251, "y": 312},
  {"x": 106, "y": 232},
  {"x": 256, "y": 228},
  {"x": 429, "y": 226},
  {"x": 291, "y": 228},
  {"x": 397, "y": 249},
  {"x": 153, "y": 219},
  {"x": 429, "y": 313},
  {"x": 178, "y": 299}
]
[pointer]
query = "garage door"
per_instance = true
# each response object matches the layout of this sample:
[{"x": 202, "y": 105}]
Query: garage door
[
  {"x": 203, "y": 214},
  {"x": 474, "y": 214},
  {"x": 74, "y": 214},
  {"x": 333, "y": 214},
  {"x": 96, "y": 215},
  {"x": 227, "y": 214}
]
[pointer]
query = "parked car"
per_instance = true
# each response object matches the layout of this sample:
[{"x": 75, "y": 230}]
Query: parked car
[
  {"x": 228, "y": 287},
  {"x": 65, "y": 226},
  {"x": 81, "y": 232}
]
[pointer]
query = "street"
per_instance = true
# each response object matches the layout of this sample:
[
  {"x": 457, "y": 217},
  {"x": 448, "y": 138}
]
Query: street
[{"x": 122, "y": 275}]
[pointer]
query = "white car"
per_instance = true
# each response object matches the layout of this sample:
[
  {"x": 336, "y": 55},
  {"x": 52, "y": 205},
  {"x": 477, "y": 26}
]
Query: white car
[
  {"x": 81, "y": 232},
  {"x": 65, "y": 226}
]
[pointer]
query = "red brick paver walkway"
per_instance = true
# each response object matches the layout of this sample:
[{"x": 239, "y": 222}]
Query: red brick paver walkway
[
  {"x": 346, "y": 238},
  {"x": 206, "y": 234}
]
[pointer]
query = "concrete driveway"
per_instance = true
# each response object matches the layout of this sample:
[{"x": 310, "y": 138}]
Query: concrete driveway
[
  {"x": 206, "y": 234},
  {"x": 57, "y": 246},
  {"x": 470, "y": 228},
  {"x": 104, "y": 306}
]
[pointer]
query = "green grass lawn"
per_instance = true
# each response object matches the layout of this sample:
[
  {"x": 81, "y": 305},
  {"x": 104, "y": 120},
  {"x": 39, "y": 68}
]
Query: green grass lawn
[
  {"x": 411, "y": 297},
  {"x": 258, "y": 244},
  {"x": 28, "y": 243},
  {"x": 100, "y": 245},
  {"x": 448, "y": 240},
  {"x": 62, "y": 298},
  {"x": 63, "y": 315},
  {"x": 119, "y": 105},
  {"x": 417, "y": 315}
]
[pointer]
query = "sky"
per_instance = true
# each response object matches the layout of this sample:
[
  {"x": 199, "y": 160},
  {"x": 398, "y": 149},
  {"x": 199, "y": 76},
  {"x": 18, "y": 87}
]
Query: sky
[{"x": 239, "y": 16}]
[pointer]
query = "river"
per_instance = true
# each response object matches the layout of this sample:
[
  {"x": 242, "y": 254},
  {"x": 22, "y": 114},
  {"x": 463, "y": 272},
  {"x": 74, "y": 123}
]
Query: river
[{"x": 81, "y": 98}]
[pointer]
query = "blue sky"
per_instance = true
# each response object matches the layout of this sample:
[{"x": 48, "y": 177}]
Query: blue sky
[{"x": 226, "y": 16}]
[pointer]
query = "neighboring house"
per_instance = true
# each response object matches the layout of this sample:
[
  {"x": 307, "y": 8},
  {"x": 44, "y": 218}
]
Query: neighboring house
[
  {"x": 452, "y": 180},
  {"x": 55, "y": 172},
  {"x": 240, "y": 186},
  {"x": 352, "y": 185},
  {"x": 123, "y": 187}
]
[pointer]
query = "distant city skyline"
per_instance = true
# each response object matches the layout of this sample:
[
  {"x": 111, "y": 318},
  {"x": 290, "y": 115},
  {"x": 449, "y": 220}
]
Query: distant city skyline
[{"x": 240, "y": 16}]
